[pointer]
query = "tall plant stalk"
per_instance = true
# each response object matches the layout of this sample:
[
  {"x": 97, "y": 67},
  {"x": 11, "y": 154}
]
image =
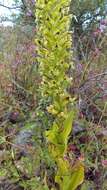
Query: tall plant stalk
[{"x": 54, "y": 57}]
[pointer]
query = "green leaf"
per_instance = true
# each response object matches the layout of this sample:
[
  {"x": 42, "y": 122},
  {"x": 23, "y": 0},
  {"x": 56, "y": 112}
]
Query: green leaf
[
  {"x": 52, "y": 134},
  {"x": 67, "y": 127},
  {"x": 70, "y": 181},
  {"x": 76, "y": 179}
]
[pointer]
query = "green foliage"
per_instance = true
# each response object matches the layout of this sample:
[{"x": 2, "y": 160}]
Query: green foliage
[
  {"x": 70, "y": 181},
  {"x": 33, "y": 184},
  {"x": 59, "y": 138},
  {"x": 53, "y": 47}
]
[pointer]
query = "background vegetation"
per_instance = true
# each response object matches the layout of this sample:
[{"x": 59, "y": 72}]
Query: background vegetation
[{"x": 23, "y": 114}]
